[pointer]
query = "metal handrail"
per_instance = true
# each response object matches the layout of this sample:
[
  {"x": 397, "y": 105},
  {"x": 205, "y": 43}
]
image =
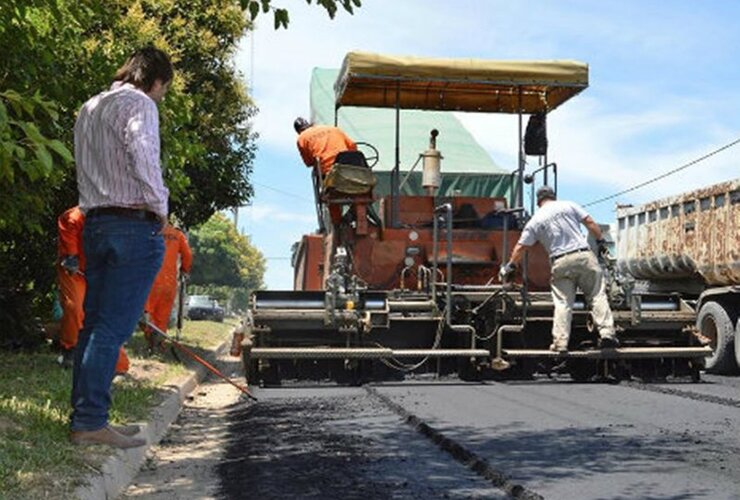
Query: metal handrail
[
  {"x": 446, "y": 207},
  {"x": 318, "y": 182}
]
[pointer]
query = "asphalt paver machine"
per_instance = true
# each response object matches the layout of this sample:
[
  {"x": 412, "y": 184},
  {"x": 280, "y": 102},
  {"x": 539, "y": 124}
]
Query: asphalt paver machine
[{"x": 408, "y": 282}]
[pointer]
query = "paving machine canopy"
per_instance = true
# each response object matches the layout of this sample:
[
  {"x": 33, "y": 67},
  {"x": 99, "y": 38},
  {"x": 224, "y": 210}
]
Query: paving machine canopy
[{"x": 383, "y": 81}]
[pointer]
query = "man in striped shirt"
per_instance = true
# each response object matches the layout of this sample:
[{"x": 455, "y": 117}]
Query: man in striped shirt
[{"x": 124, "y": 199}]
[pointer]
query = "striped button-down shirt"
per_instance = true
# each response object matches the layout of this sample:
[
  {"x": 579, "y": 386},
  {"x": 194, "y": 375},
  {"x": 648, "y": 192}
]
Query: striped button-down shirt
[{"x": 117, "y": 151}]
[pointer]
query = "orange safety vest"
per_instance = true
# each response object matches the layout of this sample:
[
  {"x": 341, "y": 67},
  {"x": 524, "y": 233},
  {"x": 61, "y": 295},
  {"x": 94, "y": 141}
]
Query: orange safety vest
[{"x": 323, "y": 142}]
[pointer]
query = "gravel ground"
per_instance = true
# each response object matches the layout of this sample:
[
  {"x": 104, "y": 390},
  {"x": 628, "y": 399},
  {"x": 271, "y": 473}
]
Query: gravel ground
[{"x": 183, "y": 464}]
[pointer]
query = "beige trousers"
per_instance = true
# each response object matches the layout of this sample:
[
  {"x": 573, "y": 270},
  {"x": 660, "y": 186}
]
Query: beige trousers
[{"x": 578, "y": 270}]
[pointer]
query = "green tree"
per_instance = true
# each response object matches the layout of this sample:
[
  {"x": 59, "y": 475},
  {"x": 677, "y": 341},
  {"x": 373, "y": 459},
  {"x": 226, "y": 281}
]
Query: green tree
[
  {"x": 58, "y": 53},
  {"x": 224, "y": 258}
]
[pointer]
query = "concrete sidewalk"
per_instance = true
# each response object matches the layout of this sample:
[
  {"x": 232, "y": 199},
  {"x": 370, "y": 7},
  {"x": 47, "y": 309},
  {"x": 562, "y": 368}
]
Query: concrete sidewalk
[{"x": 121, "y": 467}]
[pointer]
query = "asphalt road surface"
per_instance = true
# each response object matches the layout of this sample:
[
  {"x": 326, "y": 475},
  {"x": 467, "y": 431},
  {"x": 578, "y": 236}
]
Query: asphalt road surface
[{"x": 445, "y": 439}]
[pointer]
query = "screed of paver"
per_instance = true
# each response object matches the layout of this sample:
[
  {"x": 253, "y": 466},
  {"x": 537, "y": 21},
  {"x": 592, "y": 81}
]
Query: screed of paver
[{"x": 567, "y": 440}]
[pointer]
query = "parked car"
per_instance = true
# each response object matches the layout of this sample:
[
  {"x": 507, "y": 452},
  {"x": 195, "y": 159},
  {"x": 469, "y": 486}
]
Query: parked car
[{"x": 204, "y": 307}]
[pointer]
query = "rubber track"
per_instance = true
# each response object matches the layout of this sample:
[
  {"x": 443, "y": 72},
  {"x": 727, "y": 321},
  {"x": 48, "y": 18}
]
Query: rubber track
[
  {"x": 705, "y": 398},
  {"x": 463, "y": 455}
]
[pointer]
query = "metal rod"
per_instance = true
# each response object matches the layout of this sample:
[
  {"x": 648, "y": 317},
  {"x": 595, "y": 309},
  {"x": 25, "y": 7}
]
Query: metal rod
[
  {"x": 309, "y": 304},
  {"x": 153, "y": 328},
  {"x": 500, "y": 334},
  {"x": 435, "y": 253},
  {"x": 622, "y": 352},
  {"x": 360, "y": 353},
  {"x": 448, "y": 307},
  {"x": 395, "y": 176},
  {"x": 425, "y": 305},
  {"x": 520, "y": 189},
  {"x": 545, "y": 160},
  {"x": 505, "y": 242}
]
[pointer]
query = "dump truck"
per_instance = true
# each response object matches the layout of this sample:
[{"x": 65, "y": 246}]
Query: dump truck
[
  {"x": 689, "y": 245},
  {"x": 408, "y": 281}
]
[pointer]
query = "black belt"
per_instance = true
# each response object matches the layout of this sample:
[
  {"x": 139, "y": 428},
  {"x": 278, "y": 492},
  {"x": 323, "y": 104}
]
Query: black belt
[
  {"x": 553, "y": 259},
  {"x": 130, "y": 213}
]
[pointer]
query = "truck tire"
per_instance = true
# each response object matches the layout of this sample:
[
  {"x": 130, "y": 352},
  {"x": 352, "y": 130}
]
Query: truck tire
[
  {"x": 737, "y": 342},
  {"x": 714, "y": 322}
]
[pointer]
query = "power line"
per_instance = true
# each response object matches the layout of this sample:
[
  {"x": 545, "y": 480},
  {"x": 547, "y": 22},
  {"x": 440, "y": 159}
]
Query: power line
[
  {"x": 286, "y": 193},
  {"x": 663, "y": 176}
]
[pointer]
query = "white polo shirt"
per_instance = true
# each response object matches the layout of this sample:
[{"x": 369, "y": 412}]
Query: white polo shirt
[{"x": 557, "y": 225}]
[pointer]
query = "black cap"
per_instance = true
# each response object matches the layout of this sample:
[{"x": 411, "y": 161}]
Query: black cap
[
  {"x": 545, "y": 193},
  {"x": 300, "y": 124}
]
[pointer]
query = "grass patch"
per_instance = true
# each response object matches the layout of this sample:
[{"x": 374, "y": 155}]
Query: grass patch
[{"x": 36, "y": 458}]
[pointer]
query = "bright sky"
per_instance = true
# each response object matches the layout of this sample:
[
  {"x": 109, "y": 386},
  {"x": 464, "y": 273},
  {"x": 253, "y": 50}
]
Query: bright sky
[{"x": 664, "y": 83}]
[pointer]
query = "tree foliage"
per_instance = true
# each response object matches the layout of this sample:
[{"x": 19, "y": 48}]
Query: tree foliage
[
  {"x": 224, "y": 258},
  {"x": 58, "y": 53},
  {"x": 280, "y": 14}
]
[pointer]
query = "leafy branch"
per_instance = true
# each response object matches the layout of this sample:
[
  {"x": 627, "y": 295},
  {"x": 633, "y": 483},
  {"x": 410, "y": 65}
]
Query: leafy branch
[{"x": 281, "y": 17}]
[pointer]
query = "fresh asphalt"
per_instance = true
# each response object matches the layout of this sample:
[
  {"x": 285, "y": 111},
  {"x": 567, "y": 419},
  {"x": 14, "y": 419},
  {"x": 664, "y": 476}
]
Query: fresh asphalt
[
  {"x": 566, "y": 440},
  {"x": 550, "y": 438}
]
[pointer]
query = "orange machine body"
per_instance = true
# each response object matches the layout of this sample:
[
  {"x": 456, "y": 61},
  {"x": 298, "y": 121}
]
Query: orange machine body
[{"x": 381, "y": 254}]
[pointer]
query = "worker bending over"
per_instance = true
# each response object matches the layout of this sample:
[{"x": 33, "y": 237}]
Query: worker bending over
[
  {"x": 72, "y": 285},
  {"x": 322, "y": 143},
  {"x": 556, "y": 225},
  {"x": 164, "y": 289}
]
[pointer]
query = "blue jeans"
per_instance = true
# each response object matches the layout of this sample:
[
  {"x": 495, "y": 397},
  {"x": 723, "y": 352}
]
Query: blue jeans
[{"x": 123, "y": 257}]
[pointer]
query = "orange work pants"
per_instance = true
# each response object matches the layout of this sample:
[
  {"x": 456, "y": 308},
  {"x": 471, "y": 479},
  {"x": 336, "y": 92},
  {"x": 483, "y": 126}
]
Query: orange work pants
[
  {"x": 159, "y": 304},
  {"x": 71, "y": 297}
]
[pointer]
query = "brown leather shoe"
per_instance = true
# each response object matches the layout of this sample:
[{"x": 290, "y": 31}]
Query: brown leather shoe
[
  {"x": 126, "y": 430},
  {"x": 106, "y": 435}
]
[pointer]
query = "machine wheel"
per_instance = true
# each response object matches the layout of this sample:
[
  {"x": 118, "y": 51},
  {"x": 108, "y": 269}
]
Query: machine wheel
[
  {"x": 583, "y": 370},
  {"x": 737, "y": 342},
  {"x": 715, "y": 323}
]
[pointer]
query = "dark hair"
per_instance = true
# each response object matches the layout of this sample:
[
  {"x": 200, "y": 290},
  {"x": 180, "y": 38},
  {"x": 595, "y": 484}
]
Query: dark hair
[
  {"x": 144, "y": 67},
  {"x": 300, "y": 124},
  {"x": 545, "y": 193}
]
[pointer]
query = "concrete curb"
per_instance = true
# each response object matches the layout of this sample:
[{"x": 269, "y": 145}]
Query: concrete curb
[{"x": 119, "y": 469}]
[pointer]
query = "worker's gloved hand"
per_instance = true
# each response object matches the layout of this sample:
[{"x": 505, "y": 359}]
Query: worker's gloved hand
[
  {"x": 602, "y": 249},
  {"x": 71, "y": 264},
  {"x": 506, "y": 271}
]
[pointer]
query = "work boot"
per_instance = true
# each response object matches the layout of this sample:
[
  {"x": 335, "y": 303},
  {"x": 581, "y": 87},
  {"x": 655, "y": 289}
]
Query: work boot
[
  {"x": 558, "y": 348},
  {"x": 106, "y": 435},
  {"x": 67, "y": 358},
  {"x": 126, "y": 430},
  {"x": 608, "y": 342}
]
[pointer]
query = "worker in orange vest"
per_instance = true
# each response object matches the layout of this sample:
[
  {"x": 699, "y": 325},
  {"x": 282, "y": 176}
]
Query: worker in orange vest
[
  {"x": 322, "y": 142},
  {"x": 164, "y": 290},
  {"x": 72, "y": 286}
]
